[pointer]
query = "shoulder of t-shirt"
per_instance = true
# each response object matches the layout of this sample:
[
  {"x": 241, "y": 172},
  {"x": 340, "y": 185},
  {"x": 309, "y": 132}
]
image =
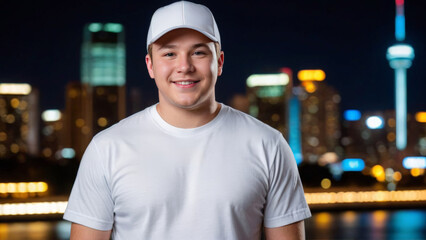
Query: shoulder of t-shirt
[
  {"x": 126, "y": 125},
  {"x": 247, "y": 123}
]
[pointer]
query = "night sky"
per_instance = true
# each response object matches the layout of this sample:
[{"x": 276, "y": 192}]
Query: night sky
[{"x": 40, "y": 43}]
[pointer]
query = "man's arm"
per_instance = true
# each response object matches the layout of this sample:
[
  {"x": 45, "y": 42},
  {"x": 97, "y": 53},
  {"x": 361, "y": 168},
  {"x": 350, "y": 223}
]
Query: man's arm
[
  {"x": 294, "y": 231},
  {"x": 80, "y": 232}
]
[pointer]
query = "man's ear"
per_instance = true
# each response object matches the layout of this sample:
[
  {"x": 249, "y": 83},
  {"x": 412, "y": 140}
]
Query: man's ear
[
  {"x": 220, "y": 61},
  {"x": 148, "y": 61}
]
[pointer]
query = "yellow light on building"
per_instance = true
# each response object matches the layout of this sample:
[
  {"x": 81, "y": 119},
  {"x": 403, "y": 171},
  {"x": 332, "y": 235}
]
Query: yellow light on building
[
  {"x": 379, "y": 173},
  {"x": 309, "y": 87},
  {"x": 421, "y": 117},
  {"x": 397, "y": 176},
  {"x": 23, "y": 187},
  {"x": 311, "y": 75},
  {"x": 365, "y": 196},
  {"x": 415, "y": 172},
  {"x": 15, "y": 88},
  {"x": 39, "y": 208},
  {"x": 326, "y": 183},
  {"x": 102, "y": 122}
]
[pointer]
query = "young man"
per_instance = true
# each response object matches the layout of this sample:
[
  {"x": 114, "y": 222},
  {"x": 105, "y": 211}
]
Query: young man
[{"x": 187, "y": 167}]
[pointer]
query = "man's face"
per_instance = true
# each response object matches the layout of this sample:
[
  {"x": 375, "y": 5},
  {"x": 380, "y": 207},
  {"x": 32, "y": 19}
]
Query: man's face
[{"x": 185, "y": 67}]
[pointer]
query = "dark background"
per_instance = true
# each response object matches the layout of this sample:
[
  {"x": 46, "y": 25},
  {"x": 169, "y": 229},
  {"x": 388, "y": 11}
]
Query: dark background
[{"x": 40, "y": 43}]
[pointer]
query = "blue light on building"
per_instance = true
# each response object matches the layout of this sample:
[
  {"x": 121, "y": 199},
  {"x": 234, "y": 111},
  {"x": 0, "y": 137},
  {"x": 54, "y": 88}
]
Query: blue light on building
[
  {"x": 353, "y": 165},
  {"x": 295, "y": 141},
  {"x": 352, "y": 115}
]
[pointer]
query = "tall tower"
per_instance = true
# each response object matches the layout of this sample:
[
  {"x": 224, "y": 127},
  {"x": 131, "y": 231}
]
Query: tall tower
[
  {"x": 103, "y": 74},
  {"x": 400, "y": 56}
]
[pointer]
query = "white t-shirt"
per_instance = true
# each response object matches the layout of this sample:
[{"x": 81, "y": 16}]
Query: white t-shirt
[{"x": 146, "y": 179}]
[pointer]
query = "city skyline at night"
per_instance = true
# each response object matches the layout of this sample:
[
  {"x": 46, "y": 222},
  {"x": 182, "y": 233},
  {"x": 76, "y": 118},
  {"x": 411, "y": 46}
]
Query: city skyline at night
[{"x": 347, "y": 40}]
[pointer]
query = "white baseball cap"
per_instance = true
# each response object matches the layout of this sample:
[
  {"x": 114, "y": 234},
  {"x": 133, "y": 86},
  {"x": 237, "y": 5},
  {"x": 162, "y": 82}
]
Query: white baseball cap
[{"x": 182, "y": 14}]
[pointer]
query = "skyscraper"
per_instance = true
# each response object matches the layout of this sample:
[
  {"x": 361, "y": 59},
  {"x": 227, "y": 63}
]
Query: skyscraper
[
  {"x": 103, "y": 74},
  {"x": 19, "y": 121},
  {"x": 320, "y": 122},
  {"x": 268, "y": 95}
]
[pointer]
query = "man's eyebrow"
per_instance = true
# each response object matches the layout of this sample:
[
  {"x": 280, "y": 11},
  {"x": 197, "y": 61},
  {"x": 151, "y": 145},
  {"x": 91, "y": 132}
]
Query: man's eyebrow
[
  {"x": 167, "y": 46},
  {"x": 200, "y": 45}
]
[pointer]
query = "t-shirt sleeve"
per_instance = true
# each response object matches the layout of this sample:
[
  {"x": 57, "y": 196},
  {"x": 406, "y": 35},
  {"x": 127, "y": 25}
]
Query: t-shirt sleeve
[
  {"x": 90, "y": 203},
  {"x": 285, "y": 202}
]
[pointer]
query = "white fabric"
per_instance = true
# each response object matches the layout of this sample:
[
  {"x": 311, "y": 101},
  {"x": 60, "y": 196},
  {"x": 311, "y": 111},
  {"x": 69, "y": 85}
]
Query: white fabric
[{"x": 149, "y": 180}]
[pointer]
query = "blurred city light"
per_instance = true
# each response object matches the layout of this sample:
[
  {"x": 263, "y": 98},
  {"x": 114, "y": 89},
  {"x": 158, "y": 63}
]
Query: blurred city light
[
  {"x": 353, "y": 165},
  {"x": 366, "y": 196},
  {"x": 414, "y": 162},
  {"x": 32, "y": 208},
  {"x": 326, "y": 183},
  {"x": 309, "y": 87},
  {"x": 68, "y": 153},
  {"x": 13, "y": 188},
  {"x": 400, "y": 51},
  {"x": 375, "y": 122},
  {"x": 379, "y": 173},
  {"x": 421, "y": 117},
  {"x": 311, "y": 75},
  {"x": 51, "y": 115},
  {"x": 352, "y": 115},
  {"x": 256, "y": 80},
  {"x": 15, "y": 88}
]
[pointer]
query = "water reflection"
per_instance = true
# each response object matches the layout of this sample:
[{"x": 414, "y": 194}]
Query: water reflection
[{"x": 366, "y": 225}]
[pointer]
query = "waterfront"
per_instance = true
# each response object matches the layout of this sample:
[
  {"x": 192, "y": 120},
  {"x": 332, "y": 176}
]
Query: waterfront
[{"x": 407, "y": 224}]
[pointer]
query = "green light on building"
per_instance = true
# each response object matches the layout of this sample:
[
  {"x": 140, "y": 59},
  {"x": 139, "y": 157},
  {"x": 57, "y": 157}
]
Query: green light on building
[
  {"x": 113, "y": 27},
  {"x": 103, "y": 60},
  {"x": 270, "y": 91},
  {"x": 95, "y": 27}
]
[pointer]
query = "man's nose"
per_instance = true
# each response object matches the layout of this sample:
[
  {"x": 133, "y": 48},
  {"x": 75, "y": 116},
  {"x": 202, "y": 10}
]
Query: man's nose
[{"x": 185, "y": 64}]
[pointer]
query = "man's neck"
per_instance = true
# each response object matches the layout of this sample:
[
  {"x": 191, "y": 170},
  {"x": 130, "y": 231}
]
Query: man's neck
[{"x": 188, "y": 118}]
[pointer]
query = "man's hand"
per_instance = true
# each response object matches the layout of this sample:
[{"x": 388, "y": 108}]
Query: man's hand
[{"x": 294, "y": 231}]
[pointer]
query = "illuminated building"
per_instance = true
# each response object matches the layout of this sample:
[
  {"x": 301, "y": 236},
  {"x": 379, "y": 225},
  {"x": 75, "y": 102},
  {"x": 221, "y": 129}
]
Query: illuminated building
[
  {"x": 19, "y": 124},
  {"x": 320, "y": 121},
  {"x": 77, "y": 117},
  {"x": 53, "y": 134},
  {"x": 372, "y": 136},
  {"x": 103, "y": 74},
  {"x": 268, "y": 96},
  {"x": 400, "y": 57},
  {"x": 103, "y": 55}
]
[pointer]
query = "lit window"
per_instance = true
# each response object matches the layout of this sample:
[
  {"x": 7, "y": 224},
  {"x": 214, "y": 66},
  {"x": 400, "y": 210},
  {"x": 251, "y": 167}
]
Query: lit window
[
  {"x": 3, "y": 150},
  {"x": 102, "y": 122},
  {"x": 10, "y": 118},
  {"x": 72, "y": 93},
  {"x": 47, "y": 152},
  {"x": 79, "y": 122},
  {"x": 14, "y": 148},
  {"x": 3, "y": 136},
  {"x": 112, "y": 98},
  {"x": 275, "y": 117},
  {"x": 23, "y": 105},
  {"x": 14, "y": 102}
]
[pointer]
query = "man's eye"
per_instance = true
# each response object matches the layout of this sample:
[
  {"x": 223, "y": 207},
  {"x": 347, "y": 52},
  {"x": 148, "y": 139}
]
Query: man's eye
[
  {"x": 169, "y": 54},
  {"x": 199, "y": 53}
]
